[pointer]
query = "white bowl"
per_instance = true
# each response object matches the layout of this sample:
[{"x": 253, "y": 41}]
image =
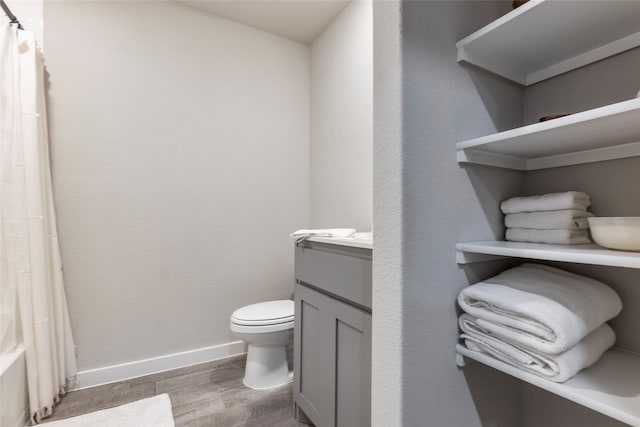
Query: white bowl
[{"x": 621, "y": 233}]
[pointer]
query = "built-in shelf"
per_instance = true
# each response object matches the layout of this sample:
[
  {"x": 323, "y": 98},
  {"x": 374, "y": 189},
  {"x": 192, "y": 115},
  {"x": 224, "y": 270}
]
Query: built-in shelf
[
  {"x": 539, "y": 40},
  {"x": 605, "y": 133},
  {"x": 611, "y": 386},
  {"x": 542, "y": 39},
  {"x": 582, "y": 254}
]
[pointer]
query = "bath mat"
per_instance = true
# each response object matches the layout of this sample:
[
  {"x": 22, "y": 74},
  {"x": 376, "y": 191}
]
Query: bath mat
[{"x": 152, "y": 412}]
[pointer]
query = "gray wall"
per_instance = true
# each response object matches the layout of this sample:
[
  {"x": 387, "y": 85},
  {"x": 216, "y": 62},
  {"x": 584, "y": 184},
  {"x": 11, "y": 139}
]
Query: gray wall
[
  {"x": 180, "y": 146},
  {"x": 424, "y": 204},
  {"x": 342, "y": 121},
  {"x": 605, "y": 82}
]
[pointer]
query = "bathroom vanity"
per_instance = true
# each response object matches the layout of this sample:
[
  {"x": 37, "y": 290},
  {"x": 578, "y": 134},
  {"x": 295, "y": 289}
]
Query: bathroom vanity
[{"x": 332, "y": 334}]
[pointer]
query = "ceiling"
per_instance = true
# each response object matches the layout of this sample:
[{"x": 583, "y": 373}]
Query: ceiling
[{"x": 300, "y": 20}]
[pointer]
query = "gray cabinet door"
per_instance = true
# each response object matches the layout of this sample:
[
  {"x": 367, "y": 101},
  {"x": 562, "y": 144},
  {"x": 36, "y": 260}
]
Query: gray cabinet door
[
  {"x": 332, "y": 360},
  {"x": 351, "y": 362},
  {"x": 310, "y": 362}
]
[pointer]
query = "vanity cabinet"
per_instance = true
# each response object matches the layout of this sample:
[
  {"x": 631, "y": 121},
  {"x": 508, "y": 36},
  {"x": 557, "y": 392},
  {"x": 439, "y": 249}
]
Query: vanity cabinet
[{"x": 332, "y": 336}]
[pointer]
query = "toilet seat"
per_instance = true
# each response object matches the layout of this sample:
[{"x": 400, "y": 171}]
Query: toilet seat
[
  {"x": 267, "y": 329},
  {"x": 264, "y": 314},
  {"x": 261, "y": 329}
]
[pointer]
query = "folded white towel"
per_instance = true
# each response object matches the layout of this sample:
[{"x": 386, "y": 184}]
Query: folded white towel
[
  {"x": 570, "y": 219},
  {"x": 547, "y": 202},
  {"x": 558, "y": 237},
  {"x": 555, "y": 367},
  {"x": 323, "y": 232},
  {"x": 540, "y": 307}
]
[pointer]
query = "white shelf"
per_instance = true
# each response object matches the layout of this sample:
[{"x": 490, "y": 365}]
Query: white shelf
[
  {"x": 582, "y": 254},
  {"x": 611, "y": 386},
  {"x": 542, "y": 39},
  {"x": 605, "y": 133}
]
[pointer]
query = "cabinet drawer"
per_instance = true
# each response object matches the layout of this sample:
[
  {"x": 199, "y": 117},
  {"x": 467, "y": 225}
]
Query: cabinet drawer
[{"x": 340, "y": 271}]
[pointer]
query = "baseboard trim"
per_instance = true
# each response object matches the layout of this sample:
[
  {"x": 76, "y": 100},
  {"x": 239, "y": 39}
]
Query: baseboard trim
[{"x": 138, "y": 368}]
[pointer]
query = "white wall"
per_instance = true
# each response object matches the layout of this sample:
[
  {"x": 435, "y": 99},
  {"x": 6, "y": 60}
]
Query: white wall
[
  {"x": 342, "y": 121},
  {"x": 180, "y": 147},
  {"x": 30, "y": 15},
  {"x": 387, "y": 341}
]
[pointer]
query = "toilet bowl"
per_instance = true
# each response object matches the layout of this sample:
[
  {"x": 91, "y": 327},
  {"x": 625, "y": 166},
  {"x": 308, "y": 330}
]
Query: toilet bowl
[{"x": 267, "y": 328}]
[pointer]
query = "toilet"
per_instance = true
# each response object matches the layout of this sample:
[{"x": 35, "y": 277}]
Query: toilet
[{"x": 267, "y": 328}]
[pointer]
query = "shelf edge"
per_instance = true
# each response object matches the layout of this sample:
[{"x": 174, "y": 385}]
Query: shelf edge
[
  {"x": 486, "y": 158},
  {"x": 535, "y": 128},
  {"x": 513, "y": 14},
  {"x": 464, "y": 257},
  {"x": 465, "y": 56},
  {"x": 539, "y": 253},
  {"x": 586, "y": 156},
  {"x": 491, "y": 159},
  {"x": 617, "y": 46}
]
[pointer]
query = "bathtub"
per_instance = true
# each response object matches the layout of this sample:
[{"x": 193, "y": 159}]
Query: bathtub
[{"x": 13, "y": 389}]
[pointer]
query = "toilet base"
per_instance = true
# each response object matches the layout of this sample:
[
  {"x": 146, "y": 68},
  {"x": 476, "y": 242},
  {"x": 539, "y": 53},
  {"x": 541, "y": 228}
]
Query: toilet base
[{"x": 266, "y": 367}]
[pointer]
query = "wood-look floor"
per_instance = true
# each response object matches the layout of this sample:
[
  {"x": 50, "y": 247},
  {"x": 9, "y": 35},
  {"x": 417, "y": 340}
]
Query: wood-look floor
[{"x": 210, "y": 394}]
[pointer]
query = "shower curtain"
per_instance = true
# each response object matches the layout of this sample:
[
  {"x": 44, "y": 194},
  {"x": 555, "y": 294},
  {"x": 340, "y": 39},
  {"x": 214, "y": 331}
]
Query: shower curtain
[{"x": 34, "y": 308}]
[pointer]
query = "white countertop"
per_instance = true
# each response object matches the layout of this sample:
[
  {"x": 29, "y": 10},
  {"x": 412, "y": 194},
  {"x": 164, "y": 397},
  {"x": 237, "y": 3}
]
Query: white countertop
[{"x": 360, "y": 240}]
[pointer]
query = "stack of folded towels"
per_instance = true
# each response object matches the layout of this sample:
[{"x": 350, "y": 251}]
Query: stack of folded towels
[
  {"x": 540, "y": 319},
  {"x": 559, "y": 218}
]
